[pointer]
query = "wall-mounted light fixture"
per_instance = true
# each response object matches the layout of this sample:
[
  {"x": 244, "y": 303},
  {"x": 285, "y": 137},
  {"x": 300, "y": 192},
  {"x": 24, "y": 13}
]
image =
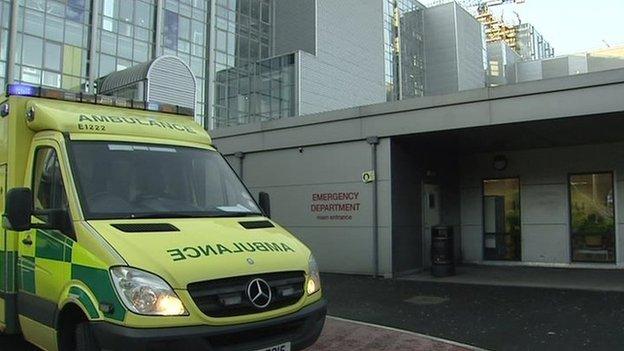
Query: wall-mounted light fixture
[{"x": 500, "y": 162}]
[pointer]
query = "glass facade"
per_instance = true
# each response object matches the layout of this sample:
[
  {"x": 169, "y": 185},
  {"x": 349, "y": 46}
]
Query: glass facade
[
  {"x": 185, "y": 36},
  {"x": 266, "y": 92},
  {"x": 592, "y": 217},
  {"x": 53, "y": 41},
  {"x": 125, "y": 35},
  {"x": 501, "y": 219},
  {"x": 403, "y": 49},
  {"x": 4, "y": 39},
  {"x": 51, "y": 44},
  {"x": 243, "y": 38}
]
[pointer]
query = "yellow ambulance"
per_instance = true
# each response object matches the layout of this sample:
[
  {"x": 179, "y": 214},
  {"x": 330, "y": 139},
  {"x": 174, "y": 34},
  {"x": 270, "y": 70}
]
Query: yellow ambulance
[{"x": 125, "y": 229}]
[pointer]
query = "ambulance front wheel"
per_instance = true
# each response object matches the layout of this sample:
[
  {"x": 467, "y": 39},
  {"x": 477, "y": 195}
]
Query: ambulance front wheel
[{"x": 85, "y": 340}]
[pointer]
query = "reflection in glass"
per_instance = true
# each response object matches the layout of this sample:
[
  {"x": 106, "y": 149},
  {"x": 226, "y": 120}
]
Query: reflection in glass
[
  {"x": 501, "y": 219},
  {"x": 592, "y": 221}
]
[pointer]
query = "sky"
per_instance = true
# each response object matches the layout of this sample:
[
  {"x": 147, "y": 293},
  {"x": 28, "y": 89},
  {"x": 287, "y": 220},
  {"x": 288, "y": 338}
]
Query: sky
[{"x": 572, "y": 26}]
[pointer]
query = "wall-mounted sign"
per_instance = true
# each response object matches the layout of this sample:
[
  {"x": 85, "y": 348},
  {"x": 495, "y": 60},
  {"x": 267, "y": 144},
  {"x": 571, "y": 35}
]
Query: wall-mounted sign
[
  {"x": 335, "y": 205},
  {"x": 368, "y": 176}
]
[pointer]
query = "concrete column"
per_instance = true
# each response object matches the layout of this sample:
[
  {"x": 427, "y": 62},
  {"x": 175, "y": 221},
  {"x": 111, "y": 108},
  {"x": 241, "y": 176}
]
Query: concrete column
[
  {"x": 209, "y": 115},
  {"x": 240, "y": 156},
  {"x": 374, "y": 141},
  {"x": 158, "y": 28}
]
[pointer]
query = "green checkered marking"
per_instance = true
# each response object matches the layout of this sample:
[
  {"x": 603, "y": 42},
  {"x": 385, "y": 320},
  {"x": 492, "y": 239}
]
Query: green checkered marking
[
  {"x": 7, "y": 266},
  {"x": 99, "y": 281},
  {"x": 27, "y": 274},
  {"x": 53, "y": 245},
  {"x": 85, "y": 300}
]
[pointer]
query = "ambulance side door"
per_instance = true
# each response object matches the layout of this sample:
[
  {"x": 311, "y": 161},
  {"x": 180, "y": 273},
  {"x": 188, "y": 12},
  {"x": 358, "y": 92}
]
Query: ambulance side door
[{"x": 44, "y": 254}]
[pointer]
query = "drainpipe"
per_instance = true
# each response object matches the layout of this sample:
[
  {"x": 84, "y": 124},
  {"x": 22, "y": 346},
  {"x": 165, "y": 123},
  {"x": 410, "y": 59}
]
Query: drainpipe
[
  {"x": 373, "y": 141},
  {"x": 240, "y": 156},
  {"x": 12, "y": 41},
  {"x": 95, "y": 7}
]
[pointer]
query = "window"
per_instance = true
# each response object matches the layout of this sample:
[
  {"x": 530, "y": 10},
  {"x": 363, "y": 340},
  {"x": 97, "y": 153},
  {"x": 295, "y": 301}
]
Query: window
[
  {"x": 32, "y": 51},
  {"x": 592, "y": 218},
  {"x": 501, "y": 219},
  {"x": 171, "y": 30},
  {"x": 48, "y": 188}
]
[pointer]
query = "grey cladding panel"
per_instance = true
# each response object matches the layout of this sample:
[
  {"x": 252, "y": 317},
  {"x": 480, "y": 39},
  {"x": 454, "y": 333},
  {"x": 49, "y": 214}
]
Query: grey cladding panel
[
  {"x": 294, "y": 26},
  {"x": 348, "y": 68}
]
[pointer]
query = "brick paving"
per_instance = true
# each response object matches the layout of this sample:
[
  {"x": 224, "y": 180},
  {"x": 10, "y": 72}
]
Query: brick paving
[{"x": 347, "y": 335}]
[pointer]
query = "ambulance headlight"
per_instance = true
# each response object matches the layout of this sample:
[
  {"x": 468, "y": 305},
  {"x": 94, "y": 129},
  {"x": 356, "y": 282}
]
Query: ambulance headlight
[
  {"x": 314, "y": 278},
  {"x": 145, "y": 293}
]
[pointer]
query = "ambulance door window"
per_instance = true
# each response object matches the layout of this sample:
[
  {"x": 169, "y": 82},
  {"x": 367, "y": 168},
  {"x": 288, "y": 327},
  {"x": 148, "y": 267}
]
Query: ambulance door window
[{"x": 48, "y": 188}]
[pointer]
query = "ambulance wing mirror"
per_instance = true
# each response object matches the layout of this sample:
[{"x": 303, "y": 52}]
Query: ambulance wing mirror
[
  {"x": 264, "y": 200},
  {"x": 18, "y": 209}
]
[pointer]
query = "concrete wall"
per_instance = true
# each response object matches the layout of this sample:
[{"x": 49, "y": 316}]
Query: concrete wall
[
  {"x": 601, "y": 63},
  {"x": 528, "y": 71},
  {"x": 453, "y": 50},
  {"x": 577, "y": 64},
  {"x": 556, "y": 67},
  {"x": 348, "y": 69},
  {"x": 470, "y": 51},
  {"x": 501, "y": 60},
  {"x": 294, "y": 26},
  {"x": 292, "y": 177},
  {"x": 440, "y": 50},
  {"x": 543, "y": 177}
]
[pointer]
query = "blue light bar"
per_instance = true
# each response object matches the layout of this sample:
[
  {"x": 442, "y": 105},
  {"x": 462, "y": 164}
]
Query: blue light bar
[
  {"x": 22, "y": 90},
  {"x": 152, "y": 106},
  {"x": 106, "y": 100}
]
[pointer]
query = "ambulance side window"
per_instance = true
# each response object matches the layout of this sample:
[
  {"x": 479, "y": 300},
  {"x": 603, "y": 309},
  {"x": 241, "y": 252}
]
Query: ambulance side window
[{"x": 48, "y": 188}]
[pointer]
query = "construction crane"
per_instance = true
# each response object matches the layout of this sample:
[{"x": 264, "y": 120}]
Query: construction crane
[
  {"x": 481, "y": 6},
  {"x": 495, "y": 28}
]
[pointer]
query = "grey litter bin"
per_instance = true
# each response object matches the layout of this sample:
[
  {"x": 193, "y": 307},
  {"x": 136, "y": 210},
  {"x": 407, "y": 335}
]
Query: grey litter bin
[{"x": 442, "y": 256}]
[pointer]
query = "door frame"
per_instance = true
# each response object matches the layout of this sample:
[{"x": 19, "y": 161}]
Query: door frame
[{"x": 483, "y": 216}]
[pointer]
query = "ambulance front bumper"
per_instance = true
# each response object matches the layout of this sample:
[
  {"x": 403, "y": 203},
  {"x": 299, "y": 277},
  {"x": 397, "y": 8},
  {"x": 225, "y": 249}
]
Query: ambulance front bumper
[{"x": 301, "y": 329}]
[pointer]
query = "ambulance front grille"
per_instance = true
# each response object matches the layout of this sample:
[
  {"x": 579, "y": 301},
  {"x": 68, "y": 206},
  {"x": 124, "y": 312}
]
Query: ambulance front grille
[{"x": 227, "y": 297}]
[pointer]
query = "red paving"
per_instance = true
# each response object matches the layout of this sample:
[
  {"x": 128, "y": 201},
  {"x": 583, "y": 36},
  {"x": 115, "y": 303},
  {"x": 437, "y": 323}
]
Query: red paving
[{"x": 339, "y": 334}]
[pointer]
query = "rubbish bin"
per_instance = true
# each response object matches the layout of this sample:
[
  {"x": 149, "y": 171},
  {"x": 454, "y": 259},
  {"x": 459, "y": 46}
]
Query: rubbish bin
[{"x": 442, "y": 256}]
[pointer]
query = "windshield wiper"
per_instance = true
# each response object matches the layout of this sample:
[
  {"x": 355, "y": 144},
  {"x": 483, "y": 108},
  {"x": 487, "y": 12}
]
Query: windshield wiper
[
  {"x": 191, "y": 215},
  {"x": 161, "y": 215},
  {"x": 235, "y": 214}
]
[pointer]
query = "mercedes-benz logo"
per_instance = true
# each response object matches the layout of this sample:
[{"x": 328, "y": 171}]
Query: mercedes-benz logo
[{"x": 259, "y": 293}]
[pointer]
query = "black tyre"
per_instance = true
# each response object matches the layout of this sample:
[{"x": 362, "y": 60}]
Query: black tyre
[{"x": 85, "y": 340}]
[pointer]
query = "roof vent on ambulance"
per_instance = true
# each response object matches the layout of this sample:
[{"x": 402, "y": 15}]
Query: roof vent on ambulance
[{"x": 163, "y": 80}]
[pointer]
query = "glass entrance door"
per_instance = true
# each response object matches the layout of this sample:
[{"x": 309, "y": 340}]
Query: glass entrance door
[
  {"x": 592, "y": 217},
  {"x": 501, "y": 219}
]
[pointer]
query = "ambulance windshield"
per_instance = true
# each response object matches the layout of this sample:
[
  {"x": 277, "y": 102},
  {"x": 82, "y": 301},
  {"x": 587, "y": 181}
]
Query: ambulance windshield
[{"x": 131, "y": 180}]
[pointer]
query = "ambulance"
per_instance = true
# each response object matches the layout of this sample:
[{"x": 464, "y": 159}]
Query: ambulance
[{"x": 123, "y": 228}]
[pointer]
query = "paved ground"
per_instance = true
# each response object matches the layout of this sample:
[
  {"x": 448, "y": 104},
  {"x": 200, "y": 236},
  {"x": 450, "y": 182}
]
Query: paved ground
[
  {"x": 338, "y": 334},
  {"x": 491, "y": 317},
  {"x": 346, "y": 335},
  {"x": 557, "y": 278},
  {"x": 501, "y": 317}
]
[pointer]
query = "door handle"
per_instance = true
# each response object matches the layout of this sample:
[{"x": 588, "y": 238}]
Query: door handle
[{"x": 27, "y": 241}]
